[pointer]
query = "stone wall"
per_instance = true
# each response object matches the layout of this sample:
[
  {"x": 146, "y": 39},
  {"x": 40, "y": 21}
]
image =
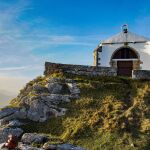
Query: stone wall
[
  {"x": 141, "y": 74},
  {"x": 79, "y": 69}
]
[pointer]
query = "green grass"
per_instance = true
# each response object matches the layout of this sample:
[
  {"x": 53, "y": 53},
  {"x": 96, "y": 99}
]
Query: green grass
[{"x": 113, "y": 113}]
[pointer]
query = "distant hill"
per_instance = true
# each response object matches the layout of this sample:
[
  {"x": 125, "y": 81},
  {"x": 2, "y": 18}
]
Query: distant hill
[
  {"x": 5, "y": 97},
  {"x": 9, "y": 88}
]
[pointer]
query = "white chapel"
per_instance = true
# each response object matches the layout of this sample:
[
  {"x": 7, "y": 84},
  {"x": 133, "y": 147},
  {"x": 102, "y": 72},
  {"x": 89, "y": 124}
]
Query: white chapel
[{"x": 125, "y": 51}]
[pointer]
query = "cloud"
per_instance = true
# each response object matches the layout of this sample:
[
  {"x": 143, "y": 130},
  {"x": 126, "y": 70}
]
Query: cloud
[
  {"x": 13, "y": 68},
  {"x": 23, "y": 46},
  {"x": 20, "y": 68},
  {"x": 20, "y": 39}
]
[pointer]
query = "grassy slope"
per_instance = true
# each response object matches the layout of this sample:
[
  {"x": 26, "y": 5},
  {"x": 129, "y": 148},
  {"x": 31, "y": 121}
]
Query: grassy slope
[{"x": 112, "y": 113}]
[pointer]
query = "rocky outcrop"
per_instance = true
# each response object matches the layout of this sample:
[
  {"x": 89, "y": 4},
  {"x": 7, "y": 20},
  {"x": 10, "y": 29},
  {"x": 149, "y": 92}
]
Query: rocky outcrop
[
  {"x": 39, "y": 101},
  {"x": 64, "y": 146},
  {"x": 29, "y": 138},
  {"x": 51, "y": 147},
  {"x": 28, "y": 147},
  {"x": 5, "y": 112},
  {"x": 15, "y": 123},
  {"x": 12, "y": 113},
  {"x": 4, "y": 132},
  {"x": 34, "y": 141},
  {"x": 57, "y": 91}
]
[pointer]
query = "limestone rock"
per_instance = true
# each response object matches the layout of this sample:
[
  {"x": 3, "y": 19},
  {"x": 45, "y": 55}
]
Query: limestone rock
[
  {"x": 54, "y": 88},
  {"x": 6, "y": 120},
  {"x": 21, "y": 113},
  {"x": 55, "y": 80},
  {"x": 5, "y": 112},
  {"x": 40, "y": 110},
  {"x": 29, "y": 138},
  {"x": 47, "y": 146},
  {"x": 46, "y": 106},
  {"x": 14, "y": 123},
  {"x": 62, "y": 111},
  {"x": 12, "y": 114},
  {"x": 3, "y": 122},
  {"x": 4, "y": 132},
  {"x": 73, "y": 88},
  {"x": 40, "y": 89},
  {"x": 68, "y": 147},
  {"x": 56, "y": 98},
  {"x": 28, "y": 147},
  {"x": 39, "y": 102},
  {"x": 65, "y": 146}
]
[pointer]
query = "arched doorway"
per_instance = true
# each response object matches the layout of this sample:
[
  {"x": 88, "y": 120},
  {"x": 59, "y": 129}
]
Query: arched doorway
[{"x": 124, "y": 59}]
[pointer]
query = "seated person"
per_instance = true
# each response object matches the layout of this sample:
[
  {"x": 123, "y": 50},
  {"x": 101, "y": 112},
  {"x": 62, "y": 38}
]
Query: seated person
[{"x": 11, "y": 143}]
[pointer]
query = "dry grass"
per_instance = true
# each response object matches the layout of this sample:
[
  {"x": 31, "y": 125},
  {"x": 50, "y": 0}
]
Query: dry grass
[{"x": 112, "y": 113}]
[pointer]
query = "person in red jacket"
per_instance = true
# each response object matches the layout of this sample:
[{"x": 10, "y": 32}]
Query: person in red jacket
[{"x": 11, "y": 143}]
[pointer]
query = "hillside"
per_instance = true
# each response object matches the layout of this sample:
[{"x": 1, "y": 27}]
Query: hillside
[{"x": 111, "y": 113}]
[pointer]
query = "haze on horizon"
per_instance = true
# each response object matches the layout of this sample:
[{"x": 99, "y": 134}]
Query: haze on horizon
[{"x": 63, "y": 31}]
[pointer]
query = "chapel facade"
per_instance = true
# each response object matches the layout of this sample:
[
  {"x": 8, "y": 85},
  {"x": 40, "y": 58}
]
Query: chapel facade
[{"x": 125, "y": 51}]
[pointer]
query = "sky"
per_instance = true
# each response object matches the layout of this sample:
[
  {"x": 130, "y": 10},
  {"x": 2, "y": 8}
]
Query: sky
[{"x": 62, "y": 31}]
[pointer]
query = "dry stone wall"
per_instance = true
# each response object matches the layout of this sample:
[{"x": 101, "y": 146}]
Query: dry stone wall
[
  {"x": 79, "y": 69},
  {"x": 141, "y": 74}
]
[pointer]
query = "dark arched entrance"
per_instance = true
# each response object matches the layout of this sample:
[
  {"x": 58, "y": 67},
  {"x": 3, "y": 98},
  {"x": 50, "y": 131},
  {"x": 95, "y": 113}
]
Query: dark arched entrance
[{"x": 124, "y": 57}]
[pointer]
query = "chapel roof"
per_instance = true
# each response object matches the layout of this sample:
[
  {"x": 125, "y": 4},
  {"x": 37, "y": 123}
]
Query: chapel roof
[{"x": 125, "y": 37}]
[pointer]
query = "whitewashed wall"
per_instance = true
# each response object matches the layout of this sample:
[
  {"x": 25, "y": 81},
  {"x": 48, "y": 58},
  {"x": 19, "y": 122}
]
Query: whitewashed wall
[{"x": 142, "y": 48}]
